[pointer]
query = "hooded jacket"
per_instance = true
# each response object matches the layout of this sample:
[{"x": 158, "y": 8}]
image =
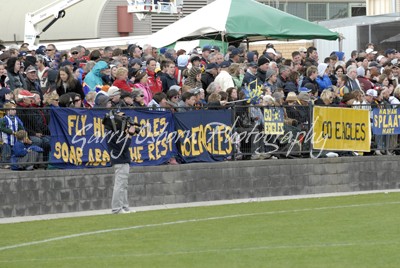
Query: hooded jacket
[
  {"x": 323, "y": 79},
  {"x": 93, "y": 78}
]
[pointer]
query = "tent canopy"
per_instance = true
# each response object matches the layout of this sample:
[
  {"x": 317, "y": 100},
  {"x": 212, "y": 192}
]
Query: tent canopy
[{"x": 236, "y": 20}]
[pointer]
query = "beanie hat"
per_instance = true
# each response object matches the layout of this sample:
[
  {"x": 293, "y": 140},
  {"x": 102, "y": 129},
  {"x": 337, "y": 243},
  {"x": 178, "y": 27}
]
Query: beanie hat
[
  {"x": 269, "y": 73},
  {"x": 250, "y": 56},
  {"x": 262, "y": 60},
  {"x": 25, "y": 94},
  {"x": 194, "y": 71},
  {"x": 113, "y": 91}
]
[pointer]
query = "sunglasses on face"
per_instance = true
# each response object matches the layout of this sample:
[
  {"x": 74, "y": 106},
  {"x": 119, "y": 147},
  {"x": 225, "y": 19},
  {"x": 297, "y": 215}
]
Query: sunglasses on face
[
  {"x": 49, "y": 49},
  {"x": 76, "y": 100},
  {"x": 74, "y": 53}
]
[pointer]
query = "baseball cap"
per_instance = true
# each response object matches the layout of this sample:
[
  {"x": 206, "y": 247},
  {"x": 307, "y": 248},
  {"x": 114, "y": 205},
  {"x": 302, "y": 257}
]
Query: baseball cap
[
  {"x": 304, "y": 89},
  {"x": 212, "y": 66},
  {"x": 225, "y": 64},
  {"x": 370, "y": 50},
  {"x": 390, "y": 51},
  {"x": 272, "y": 51},
  {"x": 372, "y": 92},
  {"x": 30, "y": 69}
]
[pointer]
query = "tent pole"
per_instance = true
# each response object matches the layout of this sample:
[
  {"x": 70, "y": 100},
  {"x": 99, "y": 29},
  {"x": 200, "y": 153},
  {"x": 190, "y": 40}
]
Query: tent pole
[{"x": 223, "y": 40}]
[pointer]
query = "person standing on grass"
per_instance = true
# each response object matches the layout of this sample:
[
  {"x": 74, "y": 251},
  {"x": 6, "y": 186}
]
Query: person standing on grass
[{"x": 118, "y": 144}]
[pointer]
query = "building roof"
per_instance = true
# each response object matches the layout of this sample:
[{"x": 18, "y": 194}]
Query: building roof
[{"x": 361, "y": 20}]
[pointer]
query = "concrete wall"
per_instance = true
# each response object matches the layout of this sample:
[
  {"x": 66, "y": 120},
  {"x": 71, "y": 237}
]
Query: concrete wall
[{"x": 56, "y": 191}]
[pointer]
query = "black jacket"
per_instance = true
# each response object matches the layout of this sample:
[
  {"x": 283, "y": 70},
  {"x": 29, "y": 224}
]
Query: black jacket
[
  {"x": 77, "y": 88},
  {"x": 261, "y": 76},
  {"x": 207, "y": 79},
  {"x": 167, "y": 81},
  {"x": 118, "y": 148}
]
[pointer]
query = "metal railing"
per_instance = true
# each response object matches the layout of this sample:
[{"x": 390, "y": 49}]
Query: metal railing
[{"x": 250, "y": 141}]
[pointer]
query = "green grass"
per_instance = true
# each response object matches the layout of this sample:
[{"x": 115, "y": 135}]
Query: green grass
[{"x": 352, "y": 231}]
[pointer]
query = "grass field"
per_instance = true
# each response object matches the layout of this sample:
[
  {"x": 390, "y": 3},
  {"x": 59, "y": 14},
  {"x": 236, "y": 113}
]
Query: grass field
[{"x": 351, "y": 231}]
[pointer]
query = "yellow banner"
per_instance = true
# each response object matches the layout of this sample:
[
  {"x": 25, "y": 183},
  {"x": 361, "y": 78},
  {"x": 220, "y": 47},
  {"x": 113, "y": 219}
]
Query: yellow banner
[
  {"x": 274, "y": 120},
  {"x": 341, "y": 129}
]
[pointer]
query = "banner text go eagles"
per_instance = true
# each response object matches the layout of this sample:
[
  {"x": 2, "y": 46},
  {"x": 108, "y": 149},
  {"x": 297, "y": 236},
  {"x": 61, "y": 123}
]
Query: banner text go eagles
[
  {"x": 204, "y": 135},
  {"x": 341, "y": 129},
  {"x": 79, "y": 140}
]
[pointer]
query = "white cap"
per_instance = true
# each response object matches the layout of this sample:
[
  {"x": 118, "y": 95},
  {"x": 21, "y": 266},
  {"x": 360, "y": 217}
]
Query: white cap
[
  {"x": 372, "y": 92},
  {"x": 379, "y": 58},
  {"x": 272, "y": 51}
]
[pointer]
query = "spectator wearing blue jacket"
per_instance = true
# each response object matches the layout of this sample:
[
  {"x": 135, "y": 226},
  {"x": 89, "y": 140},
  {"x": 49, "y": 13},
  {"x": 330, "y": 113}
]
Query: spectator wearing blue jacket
[
  {"x": 24, "y": 154},
  {"x": 93, "y": 80},
  {"x": 9, "y": 125},
  {"x": 323, "y": 79}
]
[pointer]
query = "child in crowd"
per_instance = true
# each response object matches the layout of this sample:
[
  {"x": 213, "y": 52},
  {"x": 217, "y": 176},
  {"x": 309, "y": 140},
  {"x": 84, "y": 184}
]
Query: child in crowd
[
  {"x": 25, "y": 155},
  {"x": 9, "y": 125}
]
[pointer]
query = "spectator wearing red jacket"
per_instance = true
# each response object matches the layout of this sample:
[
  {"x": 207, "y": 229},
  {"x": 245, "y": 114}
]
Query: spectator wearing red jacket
[
  {"x": 154, "y": 82},
  {"x": 121, "y": 80}
]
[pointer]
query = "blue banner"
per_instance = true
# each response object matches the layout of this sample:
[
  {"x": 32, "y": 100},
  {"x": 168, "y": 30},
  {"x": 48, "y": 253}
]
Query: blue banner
[
  {"x": 385, "y": 121},
  {"x": 79, "y": 140},
  {"x": 204, "y": 135}
]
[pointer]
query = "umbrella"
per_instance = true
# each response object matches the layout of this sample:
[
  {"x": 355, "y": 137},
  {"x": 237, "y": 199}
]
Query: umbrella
[{"x": 236, "y": 20}]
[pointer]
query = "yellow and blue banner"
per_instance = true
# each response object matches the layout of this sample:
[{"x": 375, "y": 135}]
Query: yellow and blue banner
[
  {"x": 204, "y": 135},
  {"x": 274, "y": 120},
  {"x": 341, "y": 129},
  {"x": 385, "y": 121},
  {"x": 79, "y": 140}
]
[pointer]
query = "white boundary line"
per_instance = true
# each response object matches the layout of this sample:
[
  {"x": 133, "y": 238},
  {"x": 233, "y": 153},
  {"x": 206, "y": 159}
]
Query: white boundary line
[
  {"x": 221, "y": 250},
  {"x": 186, "y": 205},
  {"x": 187, "y": 221}
]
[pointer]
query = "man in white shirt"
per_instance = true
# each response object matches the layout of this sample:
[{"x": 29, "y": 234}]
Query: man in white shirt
[{"x": 224, "y": 79}]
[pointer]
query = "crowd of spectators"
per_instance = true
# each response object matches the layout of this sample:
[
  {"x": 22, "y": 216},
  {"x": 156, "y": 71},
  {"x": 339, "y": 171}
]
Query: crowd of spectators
[{"x": 163, "y": 78}]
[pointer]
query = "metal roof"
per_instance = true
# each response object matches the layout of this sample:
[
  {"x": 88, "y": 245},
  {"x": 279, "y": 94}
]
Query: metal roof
[{"x": 361, "y": 20}]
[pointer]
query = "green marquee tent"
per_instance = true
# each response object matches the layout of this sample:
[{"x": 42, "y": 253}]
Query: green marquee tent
[{"x": 236, "y": 20}]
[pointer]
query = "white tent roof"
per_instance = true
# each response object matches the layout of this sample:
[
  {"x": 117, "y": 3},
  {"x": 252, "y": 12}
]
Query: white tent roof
[{"x": 212, "y": 18}]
